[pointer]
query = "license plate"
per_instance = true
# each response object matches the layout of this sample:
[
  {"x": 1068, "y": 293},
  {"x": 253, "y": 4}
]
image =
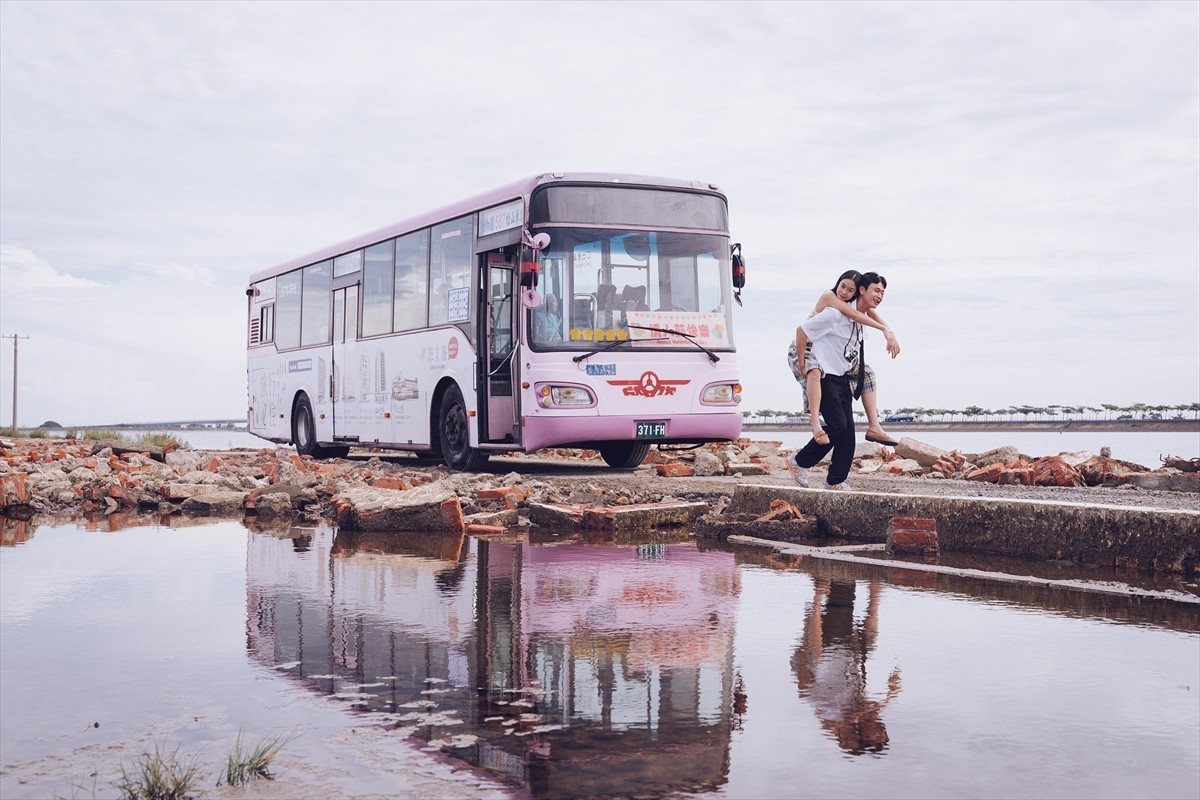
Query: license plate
[{"x": 651, "y": 430}]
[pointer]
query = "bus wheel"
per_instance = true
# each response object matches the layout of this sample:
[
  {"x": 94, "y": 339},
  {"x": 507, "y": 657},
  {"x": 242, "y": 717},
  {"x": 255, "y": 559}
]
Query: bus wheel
[
  {"x": 624, "y": 455},
  {"x": 455, "y": 434},
  {"x": 304, "y": 433},
  {"x": 304, "y": 428}
]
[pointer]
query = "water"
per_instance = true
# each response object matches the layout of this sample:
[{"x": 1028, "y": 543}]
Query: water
[
  {"x": 1140, "y": 447},
  {"x": 569, "y": 668},
  {"x": 1145, "y": 448}
]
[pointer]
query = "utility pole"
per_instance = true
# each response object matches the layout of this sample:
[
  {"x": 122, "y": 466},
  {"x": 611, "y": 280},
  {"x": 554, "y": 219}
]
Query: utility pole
[{"x": 15, "y": 339}]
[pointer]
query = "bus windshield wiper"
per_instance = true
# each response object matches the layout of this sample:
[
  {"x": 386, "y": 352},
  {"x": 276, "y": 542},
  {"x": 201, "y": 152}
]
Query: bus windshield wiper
[
  {"x": 591, "y": 353},
  {"x": 712, "y": 357}
]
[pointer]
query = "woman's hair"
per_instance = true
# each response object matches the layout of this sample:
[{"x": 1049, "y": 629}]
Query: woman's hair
[{"x": 853, "y": 275}]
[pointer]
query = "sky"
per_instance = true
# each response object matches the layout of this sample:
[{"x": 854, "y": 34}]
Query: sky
[{"x": 1025, "y": 175}]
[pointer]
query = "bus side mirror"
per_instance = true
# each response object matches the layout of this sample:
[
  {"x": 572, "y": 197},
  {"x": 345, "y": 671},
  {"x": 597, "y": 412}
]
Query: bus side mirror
[{"x": 739, "y": 271}]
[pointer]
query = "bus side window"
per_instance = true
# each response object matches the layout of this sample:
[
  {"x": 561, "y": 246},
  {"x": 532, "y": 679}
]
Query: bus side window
[
  {"x": 412, "y": 281},
  {"x": 266, "y": 324},
  {"x": 287, "y": 311},
  {"x": 377, "y": 290},
  {"x": 316, "y": 304},
  {"x": 450, "y": 262}
]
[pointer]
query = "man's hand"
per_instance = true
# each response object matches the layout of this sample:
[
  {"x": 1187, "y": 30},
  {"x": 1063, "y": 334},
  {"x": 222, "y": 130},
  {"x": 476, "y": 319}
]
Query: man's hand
[{"x": 893, "y": 346}]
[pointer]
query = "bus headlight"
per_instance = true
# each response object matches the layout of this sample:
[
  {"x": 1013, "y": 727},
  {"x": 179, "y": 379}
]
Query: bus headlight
[
  {"x": 722, "y": 394},
  {"x": 550, "y": 395}
]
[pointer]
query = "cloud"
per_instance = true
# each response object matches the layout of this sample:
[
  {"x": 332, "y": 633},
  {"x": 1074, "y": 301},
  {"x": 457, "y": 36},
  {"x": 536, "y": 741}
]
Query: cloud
[
  {"x": 1026, "y": 175},
  {"x": 23, "y": 272}
]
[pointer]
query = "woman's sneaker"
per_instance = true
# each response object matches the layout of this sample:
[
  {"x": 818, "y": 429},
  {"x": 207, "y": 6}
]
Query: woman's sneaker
[
  {"x": 840, "y": 487},
  {"x": 799, "y": 473}
]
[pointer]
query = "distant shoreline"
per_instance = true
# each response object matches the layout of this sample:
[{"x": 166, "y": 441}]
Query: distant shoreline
[
  {"x": 1044, "y": 426},
  {"x": 1053, "y": 426}
]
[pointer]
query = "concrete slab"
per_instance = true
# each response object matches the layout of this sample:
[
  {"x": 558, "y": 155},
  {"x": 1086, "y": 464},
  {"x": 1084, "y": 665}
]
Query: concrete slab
[
  {"x": 643, "y": 516},
  {"x": 1149, "y": 539}
]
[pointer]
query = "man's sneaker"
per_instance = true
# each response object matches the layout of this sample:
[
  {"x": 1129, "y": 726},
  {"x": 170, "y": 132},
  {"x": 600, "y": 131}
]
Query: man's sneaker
[{"x": 799, "y": 473}]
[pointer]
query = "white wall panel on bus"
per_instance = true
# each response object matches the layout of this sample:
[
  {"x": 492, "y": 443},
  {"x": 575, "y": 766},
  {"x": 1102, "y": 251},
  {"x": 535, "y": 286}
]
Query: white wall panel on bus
[{"x": 388, "y": 385}]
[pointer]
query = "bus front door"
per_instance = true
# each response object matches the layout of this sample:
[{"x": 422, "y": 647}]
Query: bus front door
[{"x": 497, "y": 398}]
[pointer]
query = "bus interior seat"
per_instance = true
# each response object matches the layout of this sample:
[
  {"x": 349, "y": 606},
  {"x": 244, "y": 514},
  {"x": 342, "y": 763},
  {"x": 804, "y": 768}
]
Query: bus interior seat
[
  {"x": 633, "y": 298},
  {"x": 581, "y": 311},
  {"x": 606, "y": 293}
]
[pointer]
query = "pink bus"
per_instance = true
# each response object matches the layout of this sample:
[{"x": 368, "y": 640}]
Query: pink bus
[{"x": 575, "y": 310}]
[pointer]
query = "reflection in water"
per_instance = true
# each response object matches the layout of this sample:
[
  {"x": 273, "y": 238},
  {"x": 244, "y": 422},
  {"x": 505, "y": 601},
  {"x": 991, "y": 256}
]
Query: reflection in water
[
  {"x": 572, "y": 668},
  {"x": 14, "y": 531},
  {"x": 831, "y": 666}
]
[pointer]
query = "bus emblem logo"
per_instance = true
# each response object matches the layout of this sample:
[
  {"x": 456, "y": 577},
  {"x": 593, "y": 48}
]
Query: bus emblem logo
[
  {"x": 649, "y": 385},
  {"x": 453, "y": 347}
]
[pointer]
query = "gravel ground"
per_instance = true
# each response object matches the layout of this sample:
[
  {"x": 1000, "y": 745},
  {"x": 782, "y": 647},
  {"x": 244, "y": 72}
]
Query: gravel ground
[{"x": 644, "y": 484}]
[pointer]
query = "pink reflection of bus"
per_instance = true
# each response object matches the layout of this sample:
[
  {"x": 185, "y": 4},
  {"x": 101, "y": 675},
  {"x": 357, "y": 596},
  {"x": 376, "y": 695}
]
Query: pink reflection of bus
[{"x": 563, "y": 310}]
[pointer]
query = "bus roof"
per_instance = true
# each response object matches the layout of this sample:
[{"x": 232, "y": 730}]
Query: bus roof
[{"x": 484, "y": 200}]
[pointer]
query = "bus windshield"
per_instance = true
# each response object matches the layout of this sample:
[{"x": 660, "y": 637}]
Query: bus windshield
[{"x": 602, "y": 285}]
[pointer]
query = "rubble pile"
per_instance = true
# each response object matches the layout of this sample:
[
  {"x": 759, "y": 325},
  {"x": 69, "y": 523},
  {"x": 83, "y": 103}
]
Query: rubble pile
[
  {"x": 41, "y": 476},
  {"x": 1004, "y": 465},
  {"x": 370, "y": 492}
]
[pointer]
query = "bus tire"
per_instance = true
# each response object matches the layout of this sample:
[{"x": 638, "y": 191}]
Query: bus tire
[
  {"x": 455, "y": 435},
  {"x": 624, "y": 455},
  {"x": 304, "y": 433},
  {"x": 304, "y": 427}
]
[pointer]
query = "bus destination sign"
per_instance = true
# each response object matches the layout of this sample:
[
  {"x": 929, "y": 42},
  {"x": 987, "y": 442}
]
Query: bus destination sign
[{"x": 501, "y": 218}]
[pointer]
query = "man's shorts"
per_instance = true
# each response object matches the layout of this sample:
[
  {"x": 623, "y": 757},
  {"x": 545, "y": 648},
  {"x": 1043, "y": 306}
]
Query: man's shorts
[{"x": 810, "y": 363}]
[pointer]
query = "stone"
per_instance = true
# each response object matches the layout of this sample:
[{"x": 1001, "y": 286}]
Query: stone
[
  {"x": 912, "y": 536},
  {"x": 429, "y": 507},
  {"x": 1101, "y": 471},
  {"x": 999, "y": 455},
  {"x": 506, "y": 518},
  {"x": 1165, "y": 480},
  {"x": 274, "y": 505},
  {"x": 1076, "y": 458},
  {"x": 707, "y": 464},
  {"x": 866, "y": 449},
  {"x": 643, "y": 516},
  {"x": 675, "y": 469},
  {"x": 745, "y": 468},
  {"x": 1054, "y": 471},
  {"x": 989, "y": 473},
  {"x": 924, "y": 454},
  {"x": 903, "y": 466},
  {"x": 14, "y": 490},
  {"x": 215, "y": 503},
  {"x": 475, "y": 529},
  {"x": 1017, "y": 475},
  {"x": 780, "y": 509},
  {"x": 182, "y": 491}
]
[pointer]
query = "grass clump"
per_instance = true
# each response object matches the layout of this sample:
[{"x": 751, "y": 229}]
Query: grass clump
[
  {"x": 161, "y": 440},
  {"x": 246, "y": 763},
  {"x": 158, "y": 777},
  {"x": 102, "y": 434}
]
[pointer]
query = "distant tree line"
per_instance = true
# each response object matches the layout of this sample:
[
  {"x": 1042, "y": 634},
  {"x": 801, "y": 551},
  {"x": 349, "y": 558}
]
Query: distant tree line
[{"x": 1105, "y": 411}]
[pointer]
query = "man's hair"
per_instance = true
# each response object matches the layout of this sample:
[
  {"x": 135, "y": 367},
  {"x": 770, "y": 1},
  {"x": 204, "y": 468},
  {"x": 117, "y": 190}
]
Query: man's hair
[{"x": 872, "y": 277}]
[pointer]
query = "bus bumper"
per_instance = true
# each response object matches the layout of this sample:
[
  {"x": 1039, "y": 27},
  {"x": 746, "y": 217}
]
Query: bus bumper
[{"x": 540, "y": 432}]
